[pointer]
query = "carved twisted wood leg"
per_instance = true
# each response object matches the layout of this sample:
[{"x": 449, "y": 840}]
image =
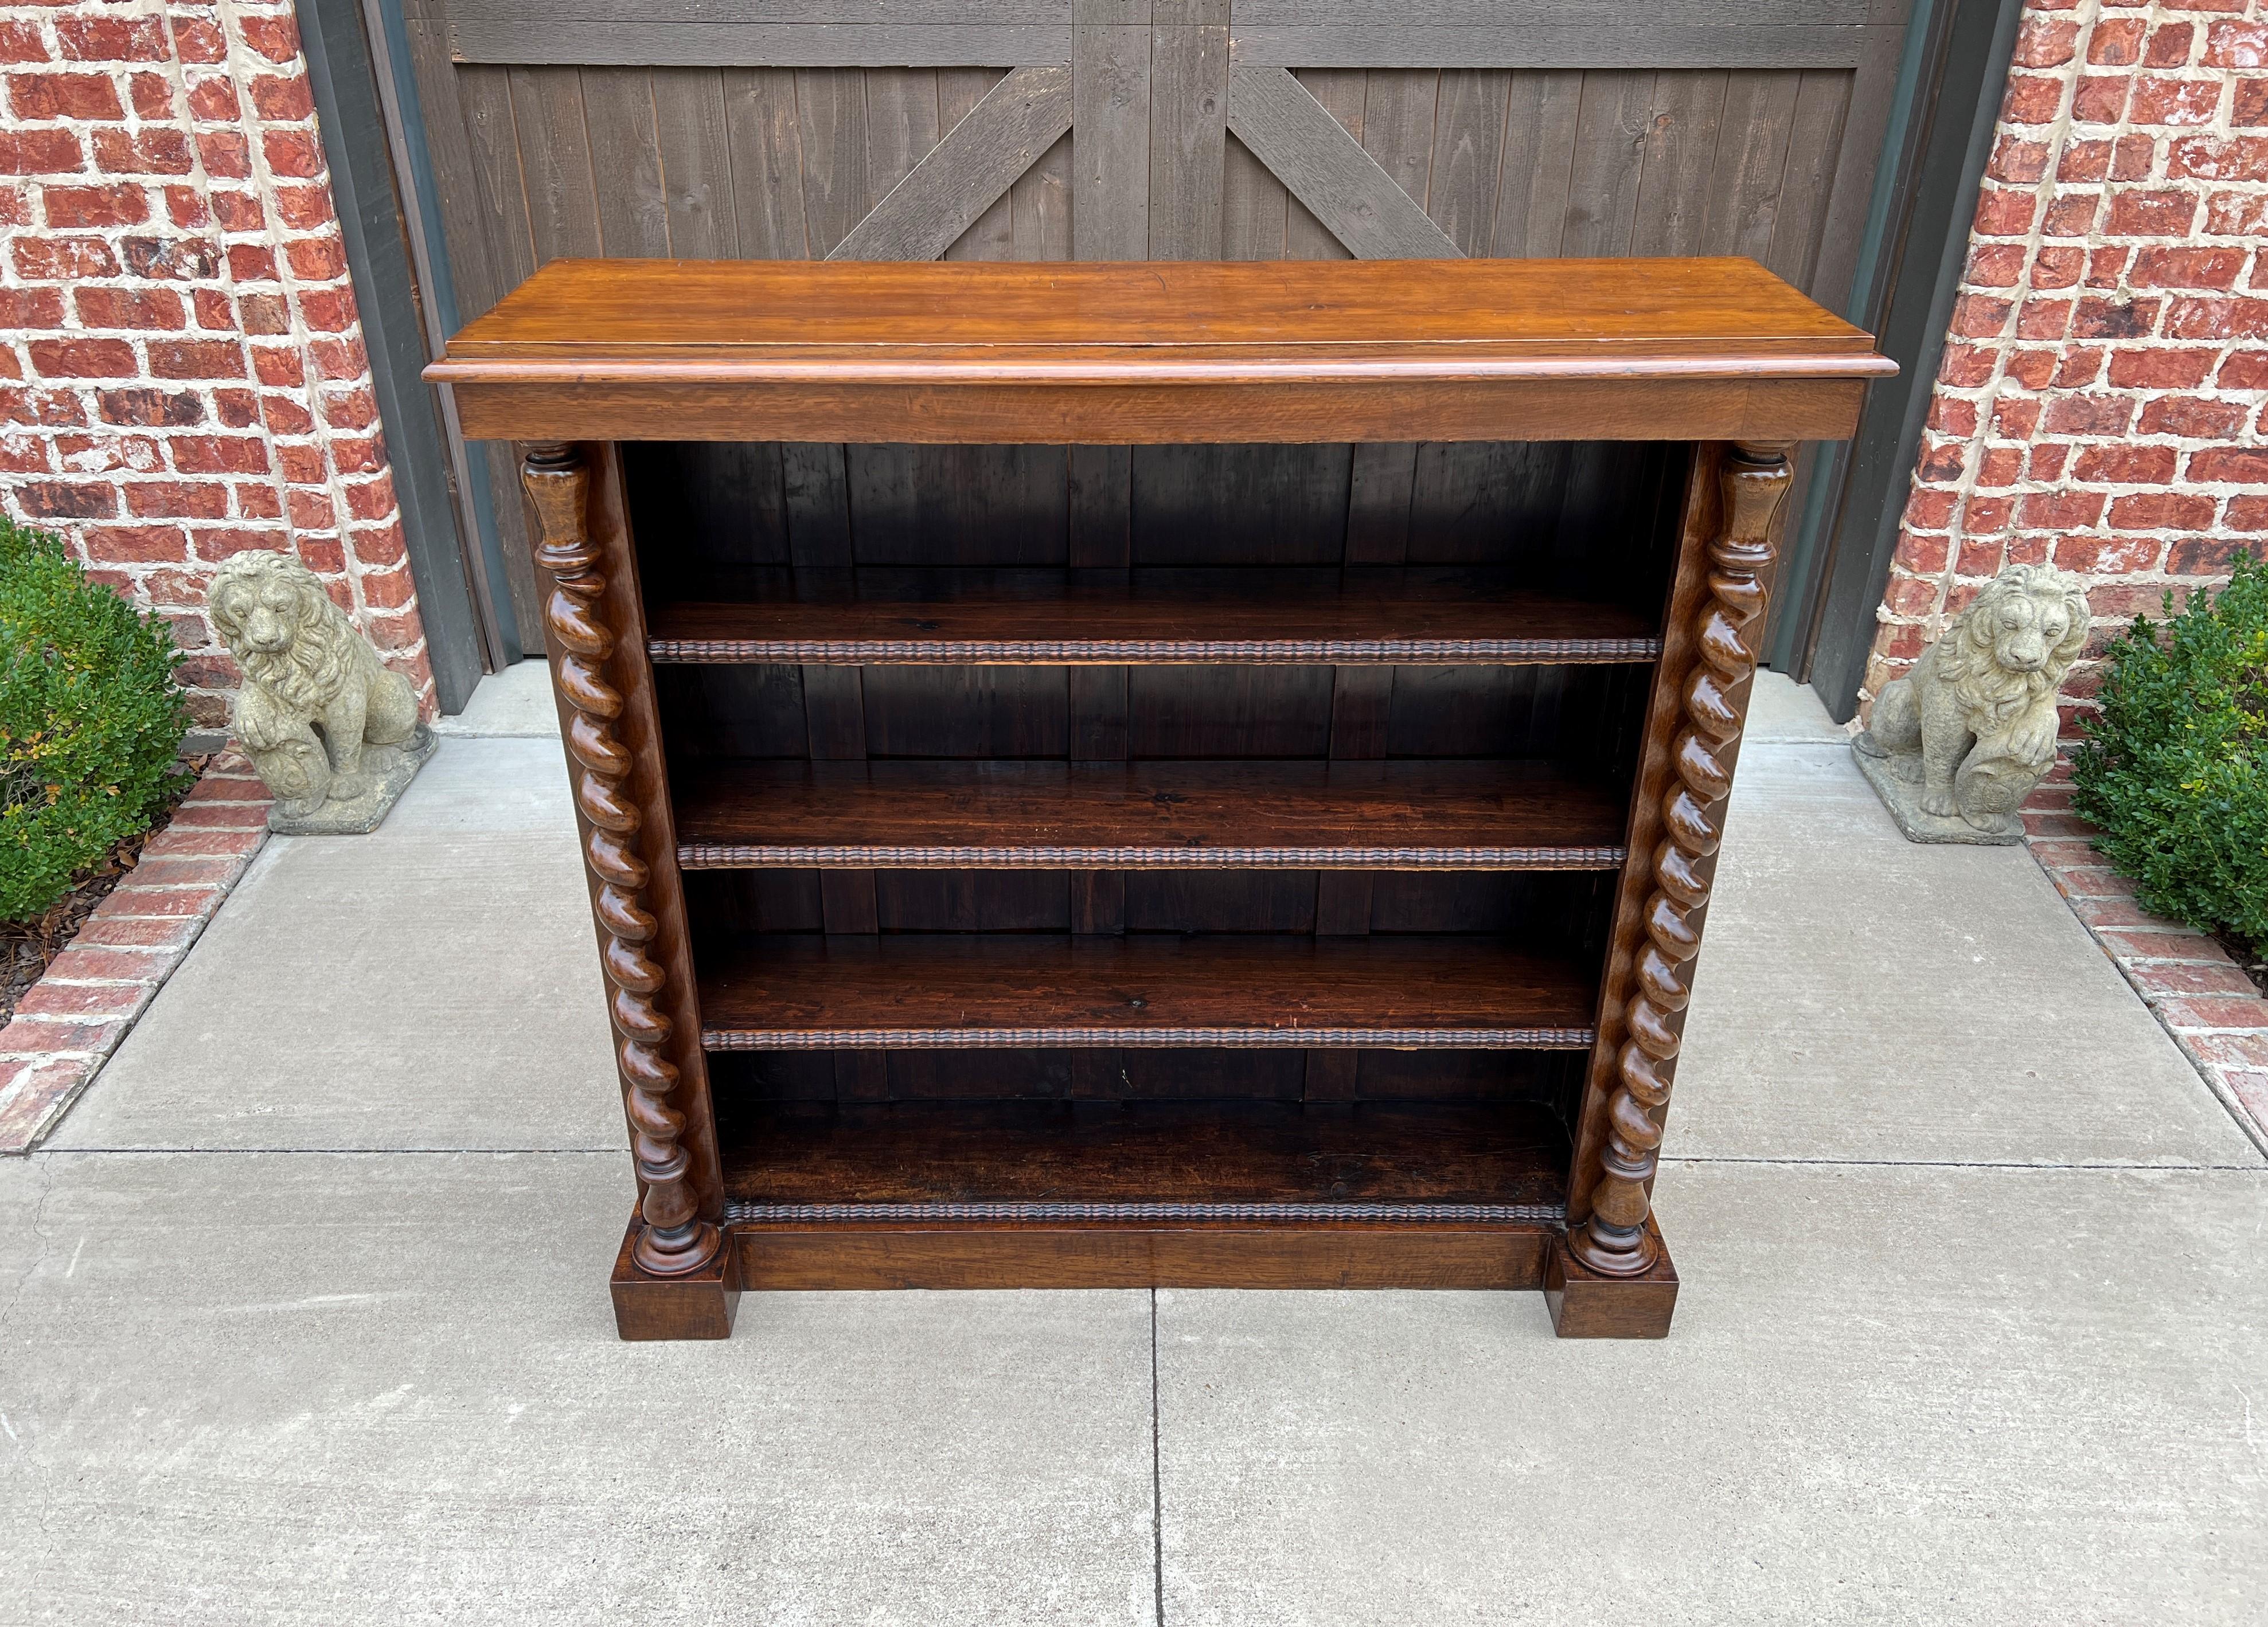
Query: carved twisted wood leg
[
  {"x": 1616, "y": 1239},
  {"x": 673, "y": 1239}
]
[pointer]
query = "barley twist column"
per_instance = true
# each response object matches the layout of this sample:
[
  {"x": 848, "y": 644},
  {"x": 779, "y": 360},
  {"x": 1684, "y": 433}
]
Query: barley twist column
[
  {"x": 1752, "y": 480},
  {"x": 674, "y": 1240}
]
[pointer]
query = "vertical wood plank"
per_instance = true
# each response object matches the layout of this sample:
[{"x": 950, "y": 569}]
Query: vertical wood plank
[
  {"x": 696, "y": 163},
  {"x": 1254, "y": 207},
  {"x": 1102, "y": 507},
  {"x": 1398, "y": 109},
  {"x": 626, "y": 163},
  {"x": 1361, "y": 699},
  {"x": 1487, "y": 502},
  {"x": 1602, "y": 183},
  {"x": 1340, "y": 90},
  {"x": 1097, "y": 714},
  {"x": 980, "y": 505},
  {"x": 816, "y": 489},
  {"x": 992, "y": 235},
  {"x": 492, "y": 145},
  {"x": 555, "y": 162},
  {"x": 1751, "y": 157},
  {"x": 1331, "y": 1075},
  {"x": 469, "y": 212},
  {"x": 1868, "y": 94},
  {"x": 472, "y": 215},
  {"x": 830, "y": 106},
  {"x": 1677, "y": 170},
  {"x": 835, "y": 716},
  {"x": 764, "y": 131},
  {"x": 1378, "y": 503},
  {"x": 901, "y": 125},
  {"x": 1821, "y": 101},
  {"x": 1188, "y": 127},
  {"x": 1039, "y": 207},
  {"x": 1098, "y": 901},
  {"x": 1110, "y": 129},
  {"x": 499, "y": 222},
  {"x": 1469, "y": 138},
  {"x": 1541, "y": 116}
]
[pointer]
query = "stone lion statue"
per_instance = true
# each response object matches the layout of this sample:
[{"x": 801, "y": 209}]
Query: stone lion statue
[
  {"x": 314, "y": 693},
  {"x": 1974, "y": 724}
]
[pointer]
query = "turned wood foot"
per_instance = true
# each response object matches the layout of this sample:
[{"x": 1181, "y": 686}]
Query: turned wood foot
[
  {"x": 1587, "y": 1304},
  {"x": 695, "y": 1304}
]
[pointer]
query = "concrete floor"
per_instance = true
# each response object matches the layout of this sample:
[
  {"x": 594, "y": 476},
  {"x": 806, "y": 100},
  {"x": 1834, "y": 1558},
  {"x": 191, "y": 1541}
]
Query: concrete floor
[{"x": 302, "y": 1316}]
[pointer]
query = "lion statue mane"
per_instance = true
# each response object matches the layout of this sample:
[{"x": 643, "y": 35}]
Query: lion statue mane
[
  {"x": 314, "y": 693},
  {"x": 1975, "y": 722}
]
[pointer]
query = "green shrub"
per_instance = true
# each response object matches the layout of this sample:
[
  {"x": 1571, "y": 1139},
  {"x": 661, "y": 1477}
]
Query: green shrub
[
  {"x": 90, "y": 722},
  {"x": 2175, "y": 769}
]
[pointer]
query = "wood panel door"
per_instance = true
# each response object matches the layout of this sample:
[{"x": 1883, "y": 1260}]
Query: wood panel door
[{"x": 1240, "y": 130}]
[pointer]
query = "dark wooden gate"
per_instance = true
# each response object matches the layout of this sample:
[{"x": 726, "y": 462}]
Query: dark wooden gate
[{"x": 1124, "y": 129}]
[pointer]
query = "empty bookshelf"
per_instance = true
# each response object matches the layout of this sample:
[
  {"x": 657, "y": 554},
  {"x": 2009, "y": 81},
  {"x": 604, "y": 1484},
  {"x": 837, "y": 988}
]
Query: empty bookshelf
[{"x": 1116, "y": 775}]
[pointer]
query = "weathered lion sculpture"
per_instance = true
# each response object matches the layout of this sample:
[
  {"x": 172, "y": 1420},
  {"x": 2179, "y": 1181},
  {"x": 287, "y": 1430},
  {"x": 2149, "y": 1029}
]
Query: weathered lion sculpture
[
  {"x": 314, "y": 693},
  {"x": 1975, "y": 722}
]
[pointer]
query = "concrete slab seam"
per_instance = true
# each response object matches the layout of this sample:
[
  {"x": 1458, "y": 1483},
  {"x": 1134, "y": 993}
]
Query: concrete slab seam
[{"x": 69, "y": 1024}]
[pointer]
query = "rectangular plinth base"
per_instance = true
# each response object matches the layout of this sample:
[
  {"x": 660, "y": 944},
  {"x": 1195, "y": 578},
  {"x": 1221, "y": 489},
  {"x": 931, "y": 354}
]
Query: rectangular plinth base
[
  {"x": 698, "y": 1306},
  {"x": 1126, "y": 1255},
  {"x": 1583, "y": 1304},
  {"x": 1589, "y": 1305}
]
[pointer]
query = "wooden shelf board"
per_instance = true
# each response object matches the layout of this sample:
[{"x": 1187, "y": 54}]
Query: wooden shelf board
[
  {"x": 1016, "y": 991},
  {"x": 1104, "y": 322},
  {"x": 1046, "y": 815},
  {"x": 1144, "y": 1163},
  {"x": 1404, "y": 618}
]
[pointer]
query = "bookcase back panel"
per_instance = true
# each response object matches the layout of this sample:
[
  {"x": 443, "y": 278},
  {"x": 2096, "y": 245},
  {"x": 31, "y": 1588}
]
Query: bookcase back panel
[
  {"x": 1563, "y": 910},
  {"x": 1584, "y": 716},
  {"x": 1586, "y": 524},
  {"x": 721, "y": 517},
  {"x": 1134, "y": 1074}
]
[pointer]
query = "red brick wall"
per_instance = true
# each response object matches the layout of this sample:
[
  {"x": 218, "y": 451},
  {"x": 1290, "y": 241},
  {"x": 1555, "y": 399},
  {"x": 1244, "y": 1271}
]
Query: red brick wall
[
  {"x": 2100, "y": 404},
  {"x": 181, "y": 372}
]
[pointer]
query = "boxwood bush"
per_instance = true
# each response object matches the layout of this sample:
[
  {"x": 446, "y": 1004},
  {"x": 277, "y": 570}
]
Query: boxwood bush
[
  {"x": 2175, "y": 767},
  {"x": 90, "y": 721}
]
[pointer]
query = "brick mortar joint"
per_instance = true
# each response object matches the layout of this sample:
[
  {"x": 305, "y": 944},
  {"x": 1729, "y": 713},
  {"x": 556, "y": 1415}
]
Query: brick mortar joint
[
  {"x": 1937, "y": 515},
  {"x": 319, "y": 386}
]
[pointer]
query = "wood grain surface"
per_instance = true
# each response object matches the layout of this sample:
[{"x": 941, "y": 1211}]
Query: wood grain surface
[
  {"x": 1128, "y": 319},
  {"x": 1366, "y": 815},
  {"x": 1401, "y": 617},
  {"x": 865, "y": 1255},
  {"x": 1021, "y": 990},
  {"x": 1148, "y": 1152}
]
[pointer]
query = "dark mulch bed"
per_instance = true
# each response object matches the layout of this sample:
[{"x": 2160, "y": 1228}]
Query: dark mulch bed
[{"x": 27, "y": 946}]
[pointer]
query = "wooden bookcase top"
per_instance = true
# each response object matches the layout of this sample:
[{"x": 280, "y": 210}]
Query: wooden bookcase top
[{"x": 941, "y": 351}]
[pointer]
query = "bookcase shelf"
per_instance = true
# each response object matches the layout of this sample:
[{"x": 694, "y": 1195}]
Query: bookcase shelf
[
  {"x": 1062, "y": 815},
  {"x": 1205, "y": 775},
  {"x": 1014, "y": 989},
  {"x": 1285, "y": 617}
]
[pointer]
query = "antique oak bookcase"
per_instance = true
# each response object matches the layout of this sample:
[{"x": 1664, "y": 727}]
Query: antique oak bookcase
[{"x": 1132, "y": 774}]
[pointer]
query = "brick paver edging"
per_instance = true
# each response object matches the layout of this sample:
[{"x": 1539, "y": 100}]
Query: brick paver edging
[
  {"x": 67, "y": 1024},
  {"x": 2205, "y": 1000}
]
